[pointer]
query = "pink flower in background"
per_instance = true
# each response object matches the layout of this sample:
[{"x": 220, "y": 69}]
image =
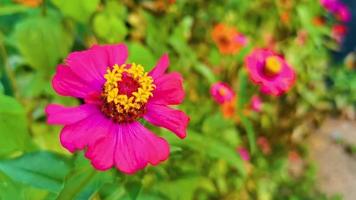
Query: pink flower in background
[
  {"x": 241, "y": 39},
  {"x": 330, "y": 5},
  {"x": 270, "y": 71},
  {"x": 256, "y": 103},
  {"x": 339, "y": 32},
  {"x": 116, "y": 96},
  {"x": 337, "y": 8},
  {"x": 264, "y": 145},
  {"x": 222, "y": 92},
  {"x": 243, "y": 152},
  {"x": 343, "y": 13}
]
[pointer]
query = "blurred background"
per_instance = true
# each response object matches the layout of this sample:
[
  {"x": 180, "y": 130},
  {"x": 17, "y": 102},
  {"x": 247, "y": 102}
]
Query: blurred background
[{"x": 297, "y": 146}]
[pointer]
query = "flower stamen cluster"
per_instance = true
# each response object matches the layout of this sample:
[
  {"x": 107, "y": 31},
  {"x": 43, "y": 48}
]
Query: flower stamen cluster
[{"x": 126, "y": 91}]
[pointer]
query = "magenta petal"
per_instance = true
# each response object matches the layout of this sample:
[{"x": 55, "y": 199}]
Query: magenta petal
[
  {"x": 137, "y": 146},
  {"x": 61, "y": 115},
  {"x": 115, "y": 54},
  {"x": 92, "y": 64},
  {"x": 102, "y": 152},
  {"x": 85, "y": 132},
  {"x": 160, "y": 67},
  {"x": 169, "y": 89},
  {"x": 171, "y": 119},
  {"x": 66, "y": 83}
]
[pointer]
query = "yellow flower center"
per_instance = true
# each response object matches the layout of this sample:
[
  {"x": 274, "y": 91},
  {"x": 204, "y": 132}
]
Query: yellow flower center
[
  {"x": 222, "y": 91},
  {"x": 126, "y": 91},
  {"x": 273, "y": 66}
]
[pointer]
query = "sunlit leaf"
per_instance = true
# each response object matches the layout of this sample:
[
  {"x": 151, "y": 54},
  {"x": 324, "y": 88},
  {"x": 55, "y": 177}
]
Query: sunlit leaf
[
  {"x": 138, "y": 50},
  {"x": 42, "y": 41},
  {"x": 13, "y": 126},
  {"x": 80, "y": 10},
  {"x": 109, "y": 27}
]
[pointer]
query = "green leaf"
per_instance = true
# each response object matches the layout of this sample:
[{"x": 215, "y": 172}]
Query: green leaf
[
  {"x": 205, "y": 72},
  {"x": 250, "y": 132},
  {"x": 9, "y": 189},
  {"x": 40, "y": 169},
  {"x": 42, "y": 41},
  {"x": 1, "y": 88},
  {"x": 243, "y": 83},
  {"x": 180, "y": 189},
  {"x": 12, "y": 9},
  {"x": 180, "y": 36},
  {"x": 83, "y": 181},
  {"x": 13, "y": 126},
  {"x": 79, "y": 10},
  {"x": 141, "y": 55},
  {"x": 109, "y": 27},
  {"x": 214, "y": 149},
  {"x": 133, "y": 188}
]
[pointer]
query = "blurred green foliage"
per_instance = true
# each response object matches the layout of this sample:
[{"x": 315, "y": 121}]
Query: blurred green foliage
[{"x": 33, "y": 40}]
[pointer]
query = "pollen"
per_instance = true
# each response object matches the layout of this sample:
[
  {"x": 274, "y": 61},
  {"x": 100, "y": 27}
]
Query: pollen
[
  {"x": 222, "y": 91},
  {"x": 126, "y": 92},
  {"x": 273, "y": 66}
]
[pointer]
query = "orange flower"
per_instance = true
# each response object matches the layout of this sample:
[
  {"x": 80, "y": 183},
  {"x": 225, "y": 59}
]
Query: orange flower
[
  {"x": 228, "y": 109},
  {"x": 350, "y": 60},
  {"x": 228, "y": 39},
  {"x": 285, "y": 18},
  {"x": 29, "y": 3},
  {"x": 319, "y": 21}
]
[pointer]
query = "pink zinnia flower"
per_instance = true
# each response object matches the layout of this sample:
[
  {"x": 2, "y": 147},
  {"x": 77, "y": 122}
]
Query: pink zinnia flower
[
  {"x": 116, "y": 96},
  {"x": 337, "y": 8},
  {"x": 270, "y": 71},
  {"x": 256, "y": 103},
  {"x": 330, "y": 5},
  {"x": 243, "y": 152},
  {"x": 264, "y": 145},
  {"x": 339, "y": 32},
  {"x": 343, "y": 13},
  {"x": 222, "y": 92},
  {"x": 241, "y": 39}
]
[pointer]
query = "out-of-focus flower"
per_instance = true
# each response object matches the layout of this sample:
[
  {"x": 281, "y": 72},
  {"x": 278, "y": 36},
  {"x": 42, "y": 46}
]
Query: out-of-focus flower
[
  {"x": 228, "y": 108},
  {"x": 330, "y": 5},
  {"x": 339, "y": 32},
  {"x": 350, "y": 60},
  {"x": 337, "y": 8},
  {"x": 158, "y": 5},
  {"x": 222, "y": 92},
  {"x": 270, "y": 71},
  {"x": 264, "y": 145},
  {"x": 319, "y": 21},
  {"x": 116, "y": 95},
  {"x": 285, "y": 17},
  {"x": 269, "y": 40},
  {"x": 243, "y": 152},
  {"x": 228, "y": 39},
  {"x": 30, "y": 3},
  {"x": 295, "y": 163},
  {"x": 343, "y": 13},
  {"x": 256, "y": 103},
  {"x": 287, "y": 4},
  {"x": 293, "y": 156},
  {"x": 302, "y": 37}
]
